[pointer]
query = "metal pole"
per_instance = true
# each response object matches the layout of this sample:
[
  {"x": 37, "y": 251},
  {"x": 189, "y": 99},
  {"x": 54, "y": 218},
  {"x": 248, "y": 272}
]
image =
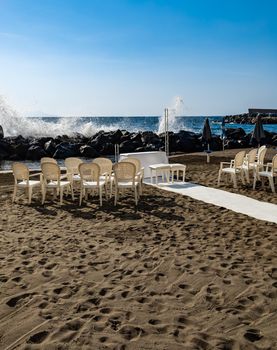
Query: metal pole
[
  {"x": 116, "y": 153},
  {"x": 166, "y": 136},
  {"x": 167, "y": 132}
]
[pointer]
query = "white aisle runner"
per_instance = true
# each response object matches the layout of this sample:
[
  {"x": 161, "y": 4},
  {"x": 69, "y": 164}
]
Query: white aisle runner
[{"x": 236, "y": 202}]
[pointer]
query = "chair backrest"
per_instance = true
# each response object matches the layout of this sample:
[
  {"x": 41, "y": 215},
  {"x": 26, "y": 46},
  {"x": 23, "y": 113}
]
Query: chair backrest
[
  {"x": 261, "y": 148},
  {"x": 261, "y": 154},
  {"x": 72, "y": 165},
  {"x": 50, "y": 171},
  {"x": 239, "y": 158},
  {"x": 105, "y": 164},
  {"x": 20, "y": 172},
  {"x": 89, "y": 172},
  {"x": 251, "y": 156},
  {"x": 48, "y": 160},
  {"x": 124, "y": 171},
  {"x": 274, "y": 164},
  {"x": 134, "y": 161}
]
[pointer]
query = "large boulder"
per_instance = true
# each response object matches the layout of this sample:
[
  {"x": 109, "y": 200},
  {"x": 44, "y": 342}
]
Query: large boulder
[
  {"x": 115, "y": 136},
  {"x": 65, "y": 150},
  {"x": 35, "y": 152},
  {"x": 5, "y": 150},
  {"x": 50, "y": 147},
  {"x": 88, "y": 152},
  {"x": 129, "y": 146},
  {"x": 20, "y": 151},
  {"x": 235, "y": 133}
]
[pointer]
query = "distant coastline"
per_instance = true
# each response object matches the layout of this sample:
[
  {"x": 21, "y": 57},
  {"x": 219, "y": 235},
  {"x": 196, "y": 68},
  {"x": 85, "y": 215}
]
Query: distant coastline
[{"x": 247, "y": 118}]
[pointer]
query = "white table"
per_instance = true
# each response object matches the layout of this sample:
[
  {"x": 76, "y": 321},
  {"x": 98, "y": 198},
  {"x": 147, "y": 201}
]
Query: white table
[
  {"x": 146, "y": 159},
  {"x": 162, "y": 169},
  {"x": 167, "y": 171}
]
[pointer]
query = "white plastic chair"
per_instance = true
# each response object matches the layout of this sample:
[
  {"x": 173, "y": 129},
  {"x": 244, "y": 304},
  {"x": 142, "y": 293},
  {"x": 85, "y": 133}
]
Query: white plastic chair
[
  {"x": 72, "y": 170},
  {"x": 126, "y": 178},
  {"x": 249, "y": 163},
  {"x": 22, "y": 180},
  {"x": 91, "y": 180},
  {"x": 139, "y": 170},
  {"x": 234, "y": 167},
  {"x": 48, "y": 160},
  {"x": 52, "y": 179},
  {"x": 260, "y": 159},
  {"x": 106, "y": 171},
  {"x": 269, "y": 171}
]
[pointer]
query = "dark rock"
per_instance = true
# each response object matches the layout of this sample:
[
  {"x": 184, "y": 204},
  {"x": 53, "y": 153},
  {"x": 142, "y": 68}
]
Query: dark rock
[
  {"x": 5, "y": 150},
  {"x": 1, "y": 132},
  {"x": 235, "y": 133},
  {"x": 88, "y": 152},
  {"x": 66, "y": 150},
  {"x": 20, "y": 151},
  {"x": 107, "y": 149},
  {"x": 148, "y": 137},
  {"x": 35, "y": 152},
  {"x": 129, "y": 146},
  {"x": 50, "y": 147},
  {"x": 247, "y": 118},
  {"x": 116, "y": 136}
]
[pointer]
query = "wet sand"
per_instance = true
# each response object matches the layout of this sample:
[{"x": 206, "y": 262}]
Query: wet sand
[{"x": 174, "y": 274}]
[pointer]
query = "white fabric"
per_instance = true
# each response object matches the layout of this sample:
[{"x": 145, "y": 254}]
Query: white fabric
[
  {"x": 232, "y": 201},
  {"x": 55, "y": 183},
  {"x": 93, "y": 183},
  {"x": 76, "y": 177},
  {"x": 230, "y": 170},
  {"x": 32, "y": 183},
  {"x": 146, "y": 159},
  {"x": 127, "y": 183}
]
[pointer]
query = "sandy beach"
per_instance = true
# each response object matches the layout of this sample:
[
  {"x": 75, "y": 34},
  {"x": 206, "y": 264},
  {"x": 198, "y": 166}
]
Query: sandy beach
[{"x": 175, "y": 273}]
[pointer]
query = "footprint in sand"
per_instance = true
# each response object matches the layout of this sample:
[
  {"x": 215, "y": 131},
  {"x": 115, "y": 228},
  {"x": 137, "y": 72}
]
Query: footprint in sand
[
  {"x": 14, "y": 301},
  {"x": 253, "y": 335},
  {"x": 38, "y": 338},
  {"x": 129, "y": 332}
]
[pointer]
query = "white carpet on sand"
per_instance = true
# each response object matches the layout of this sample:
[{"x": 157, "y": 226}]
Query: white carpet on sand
[{"x": 236, "y": 202}]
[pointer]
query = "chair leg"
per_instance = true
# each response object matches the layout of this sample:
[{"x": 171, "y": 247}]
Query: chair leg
[
  {"x": 30, "y": 194},
  {"x": 271, "y": 182},
  {"x": 115, "y": 195},
  {"x": 61, "y": 195},
  {"x": 81, "y": 196},
  {"x": 72, "y": 192},
  {"x": 43, "y": 194},
  {"x": 255, "y": 180},
  {"x": 247, "y": 176},
  {"x": 106, "y": 191},
  {"x": 14, "y": 193},
  {"x": 242, "y": 177},
  {"x": 136, "y": 196},
  {"x": 100, "y": 196},
  {"x": 234, "y": 177},
  {"x": 219, "y": 178}
]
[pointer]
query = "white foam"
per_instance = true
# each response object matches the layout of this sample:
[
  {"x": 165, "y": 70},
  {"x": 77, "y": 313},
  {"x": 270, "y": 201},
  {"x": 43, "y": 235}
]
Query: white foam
[
  {"x": 15, "y": 124},
  {"x": 174, "y": 111}
]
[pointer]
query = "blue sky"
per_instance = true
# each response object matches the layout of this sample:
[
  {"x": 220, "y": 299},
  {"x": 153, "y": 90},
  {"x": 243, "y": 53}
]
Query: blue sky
[{"x": 128, "y": 57}]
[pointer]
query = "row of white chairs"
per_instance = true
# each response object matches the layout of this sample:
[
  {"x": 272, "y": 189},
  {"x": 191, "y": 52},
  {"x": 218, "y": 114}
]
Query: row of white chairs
[
  {"x": 97, "y": 176},
  {"x": 243, "y": 164}
]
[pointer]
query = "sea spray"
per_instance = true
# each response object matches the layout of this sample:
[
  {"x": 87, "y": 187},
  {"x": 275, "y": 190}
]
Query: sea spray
[
  {"x": 174, "y": 111},
  {"x": 15, "y": 124}
]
